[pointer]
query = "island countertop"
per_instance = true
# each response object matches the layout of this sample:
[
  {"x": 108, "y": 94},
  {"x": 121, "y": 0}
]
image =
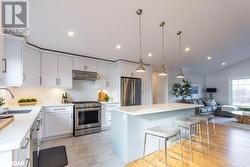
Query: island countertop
[{"x": 154, "y": 108}]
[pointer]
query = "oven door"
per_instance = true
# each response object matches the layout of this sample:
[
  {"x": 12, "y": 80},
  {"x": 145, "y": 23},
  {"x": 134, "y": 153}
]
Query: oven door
[{"x": 87, "y": 118}]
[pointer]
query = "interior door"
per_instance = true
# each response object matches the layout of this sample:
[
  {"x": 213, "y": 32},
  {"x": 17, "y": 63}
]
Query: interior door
[{"x": 31, "y": 66}]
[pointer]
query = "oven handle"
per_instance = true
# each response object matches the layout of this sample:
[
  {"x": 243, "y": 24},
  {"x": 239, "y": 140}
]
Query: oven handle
[{"x": 87, "y": 109}]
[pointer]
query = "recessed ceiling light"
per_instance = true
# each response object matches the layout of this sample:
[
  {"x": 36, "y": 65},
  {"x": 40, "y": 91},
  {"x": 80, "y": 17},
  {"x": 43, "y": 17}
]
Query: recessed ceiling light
[
  {"x": 150, "y": 54},
  {"x": 187, "y": 49},
  {"x": 223, "y": 63},
  {"x": 118, "y": 46},
  {"x": 71, "y": 33},
  {"x": 209, "y": 57}
]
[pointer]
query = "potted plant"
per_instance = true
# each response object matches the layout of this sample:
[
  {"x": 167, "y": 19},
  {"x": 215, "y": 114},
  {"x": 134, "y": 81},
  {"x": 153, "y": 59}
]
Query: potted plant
[
  {"x": 25, "y": 102},
  {"x": 182, "y": 89},
  {"x": 1, "y": 104}
]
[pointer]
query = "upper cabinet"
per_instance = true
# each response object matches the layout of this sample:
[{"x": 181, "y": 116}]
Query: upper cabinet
[
  {"x": 31, "y": 66},
  {"x": 84, "y": 64},
  {"x": 12, "y": 61},
  {"x": 56, "y": 71},
  {"x": 106, "y": 70}
]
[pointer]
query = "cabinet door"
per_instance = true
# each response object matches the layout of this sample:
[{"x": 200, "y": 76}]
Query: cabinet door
[
  {"x": 31, "y": 66},
  {"x": 145, "y": 97},
  {"x": 64, "y": 72},
  {"x": 58, "y": 122},
  {"x": 106, "y": 71},
  {"x": 90, "y": 65},
  {"x": 125, "y": 69},
  {"x": 12, "y": 61},
  {"x": 78, "y": 63},
  {"x": 49, "y": 70}
]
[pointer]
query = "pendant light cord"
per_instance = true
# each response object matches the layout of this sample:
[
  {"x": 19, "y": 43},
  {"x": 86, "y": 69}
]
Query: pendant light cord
[
  {"x": 140, "y": 32},
  {"x": 163, "y": 42},
  {"x": 179, "y": 35}
]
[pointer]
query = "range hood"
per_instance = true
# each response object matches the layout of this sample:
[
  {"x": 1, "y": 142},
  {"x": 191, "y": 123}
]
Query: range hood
[{"x": 85, "y": 75}]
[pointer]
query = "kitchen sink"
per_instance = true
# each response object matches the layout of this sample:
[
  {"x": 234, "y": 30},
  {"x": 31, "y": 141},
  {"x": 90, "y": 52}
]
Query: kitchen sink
[{"x": 17, "y": 112}]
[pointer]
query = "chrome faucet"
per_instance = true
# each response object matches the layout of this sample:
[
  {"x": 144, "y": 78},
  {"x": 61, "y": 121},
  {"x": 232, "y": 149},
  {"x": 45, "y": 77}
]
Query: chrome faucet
[{"x": 12, "y": 96}]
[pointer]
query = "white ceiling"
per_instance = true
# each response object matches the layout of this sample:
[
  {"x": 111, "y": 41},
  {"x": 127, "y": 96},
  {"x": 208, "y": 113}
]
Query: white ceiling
[{"x": 210, "y": 28}]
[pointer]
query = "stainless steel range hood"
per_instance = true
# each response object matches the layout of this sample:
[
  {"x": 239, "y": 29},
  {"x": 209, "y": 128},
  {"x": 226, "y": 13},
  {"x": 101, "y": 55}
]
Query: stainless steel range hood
[{"x": 85, "y": 75}]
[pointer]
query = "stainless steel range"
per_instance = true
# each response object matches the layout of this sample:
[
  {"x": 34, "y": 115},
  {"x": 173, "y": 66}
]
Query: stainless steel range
[{"x": 87, "y": 117}]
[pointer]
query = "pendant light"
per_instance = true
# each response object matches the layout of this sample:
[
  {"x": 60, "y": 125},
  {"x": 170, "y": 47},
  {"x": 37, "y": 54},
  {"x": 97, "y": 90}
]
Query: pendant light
[
  {"x": 140, "y": 67},
  {"x": 163, "y": 69},
  {"x": 180, "y": 74}
]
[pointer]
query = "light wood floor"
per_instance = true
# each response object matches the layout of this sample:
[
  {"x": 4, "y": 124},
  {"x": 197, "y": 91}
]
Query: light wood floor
[{"x": 229, "y": 147}]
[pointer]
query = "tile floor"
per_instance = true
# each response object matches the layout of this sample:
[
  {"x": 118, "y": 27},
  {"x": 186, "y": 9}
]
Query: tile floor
[{"x": 93, "y": 150}]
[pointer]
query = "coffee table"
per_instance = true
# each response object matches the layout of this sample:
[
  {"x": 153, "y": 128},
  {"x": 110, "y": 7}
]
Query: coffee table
[{"x": 242, "y": 116}]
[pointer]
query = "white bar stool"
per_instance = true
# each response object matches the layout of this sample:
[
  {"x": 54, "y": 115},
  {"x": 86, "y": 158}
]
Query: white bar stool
[
  {"x": 206, "y": 119},
  {"x": 192, "y": 127},
  {"x": 167, "y": 134}
]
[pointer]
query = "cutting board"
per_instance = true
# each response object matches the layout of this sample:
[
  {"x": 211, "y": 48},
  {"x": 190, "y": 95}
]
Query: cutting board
[{"x": 5, "y": 121}]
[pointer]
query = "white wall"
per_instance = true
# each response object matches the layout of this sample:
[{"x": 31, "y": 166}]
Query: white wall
[
  {"x": 162, "y": 86},
  {"x": 220, "y": 79}
]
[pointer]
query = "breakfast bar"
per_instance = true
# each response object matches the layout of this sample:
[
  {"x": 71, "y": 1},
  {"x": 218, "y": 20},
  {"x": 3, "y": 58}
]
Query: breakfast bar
[{"x": 130, "y": 123}]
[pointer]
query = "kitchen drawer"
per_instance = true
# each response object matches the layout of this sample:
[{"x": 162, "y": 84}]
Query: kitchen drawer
[{"x": 59, "y": 109}]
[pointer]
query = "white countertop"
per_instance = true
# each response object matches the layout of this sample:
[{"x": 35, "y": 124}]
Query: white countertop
[
  {"x": 154, "y": 108},
  {"x": 12, "y": 135}
]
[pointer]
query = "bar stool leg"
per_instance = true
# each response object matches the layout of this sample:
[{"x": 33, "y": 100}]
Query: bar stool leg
[
  {"x": 166, "y": 152},
  {"x": 200, "y": 138},
  {"x": 144, "y": 149},
  {"x": 181, "y": 149},
  {"x": 214, "y": 126},
  {"x": 159, "y": 149},
  {"x": 208, "y": 136},
  {"x": 190, "y": 144}
]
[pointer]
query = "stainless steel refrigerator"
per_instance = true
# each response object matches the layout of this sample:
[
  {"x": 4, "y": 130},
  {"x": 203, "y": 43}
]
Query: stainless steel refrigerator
[{"x": 130, "y": 91}]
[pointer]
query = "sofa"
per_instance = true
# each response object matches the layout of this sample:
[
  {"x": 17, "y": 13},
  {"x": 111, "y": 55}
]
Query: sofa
[{"x": 210, "y": 107}]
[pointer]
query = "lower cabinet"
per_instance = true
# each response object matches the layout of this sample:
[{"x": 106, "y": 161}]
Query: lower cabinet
[
  {"x": 58, "y": 121},
  {"x": 18, "y": 157}
]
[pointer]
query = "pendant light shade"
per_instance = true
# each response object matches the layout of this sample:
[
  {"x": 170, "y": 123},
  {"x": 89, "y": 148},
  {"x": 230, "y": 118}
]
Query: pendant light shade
[
  {"x": 180, "y": 74},
  {"x": 140, "y": 67},
  {"x": 163, "y": 71}
]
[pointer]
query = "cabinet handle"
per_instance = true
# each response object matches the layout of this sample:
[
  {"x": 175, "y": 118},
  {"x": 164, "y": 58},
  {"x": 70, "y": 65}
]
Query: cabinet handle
[
  {"x": 26, "y": 144},
  {"x": 132, "y": 74},
  {"x": 59, "y": 81},
  {"x": 85, "y": 67},
  {"x": 40, "y": 80},
  {"x": 5, "y": 65},
  {"x": 27, "y": 162}
]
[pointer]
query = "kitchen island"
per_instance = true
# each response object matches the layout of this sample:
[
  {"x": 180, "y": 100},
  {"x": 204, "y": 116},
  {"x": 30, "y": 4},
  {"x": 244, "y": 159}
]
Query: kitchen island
[{"x": 130, "y": 123}]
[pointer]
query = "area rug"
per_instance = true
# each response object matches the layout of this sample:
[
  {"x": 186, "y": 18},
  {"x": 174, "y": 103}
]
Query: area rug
[
  {"x": 51, "y": 157},
  {"x": 231, "y": 122}
]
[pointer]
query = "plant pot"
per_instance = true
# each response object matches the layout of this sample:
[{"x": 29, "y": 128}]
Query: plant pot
[{"x": 27, "y": 103}]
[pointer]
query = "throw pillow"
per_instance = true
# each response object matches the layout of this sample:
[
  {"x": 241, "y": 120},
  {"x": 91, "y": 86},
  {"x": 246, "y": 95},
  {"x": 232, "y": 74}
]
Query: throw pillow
[
  {"x": 214, "y": 102},
  {"x": 200, "y": 102},
  {"x": 209, "y": 103}
]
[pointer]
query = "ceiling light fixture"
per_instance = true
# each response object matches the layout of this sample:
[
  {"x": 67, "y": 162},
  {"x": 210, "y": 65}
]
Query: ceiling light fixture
[
  {"x": 209, "y": 57},
  {"x": 163, "y": 71},
  {"x": 118, "y": 46},
  {"x": 180, "y": 74},
  {"x": 140, "y": 67},
  {"x": 71, "y": 33},
  {"x": 223, "y": 63},
  {"x": 150, "y": 54},
  {"x": 187, "y": 49}
]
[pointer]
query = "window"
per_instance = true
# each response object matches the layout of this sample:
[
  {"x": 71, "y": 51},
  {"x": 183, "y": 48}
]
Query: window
[{"x": 240, "y": 92}]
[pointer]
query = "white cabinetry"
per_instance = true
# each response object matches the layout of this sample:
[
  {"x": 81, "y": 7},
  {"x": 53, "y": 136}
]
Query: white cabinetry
[
  {"x": 106, "y": 114},
  {"x": 127, "y": 69},
  {"x": 49, "y": 70},
  {"x": 21, "y": 63},
  {"x": 84, "y": 64},
  {"x": 56, "y": 71},
  {"x": 106, "y": 70},
  {"x": 31, "y": 66},
  {"x": 58, "y": 121}
]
